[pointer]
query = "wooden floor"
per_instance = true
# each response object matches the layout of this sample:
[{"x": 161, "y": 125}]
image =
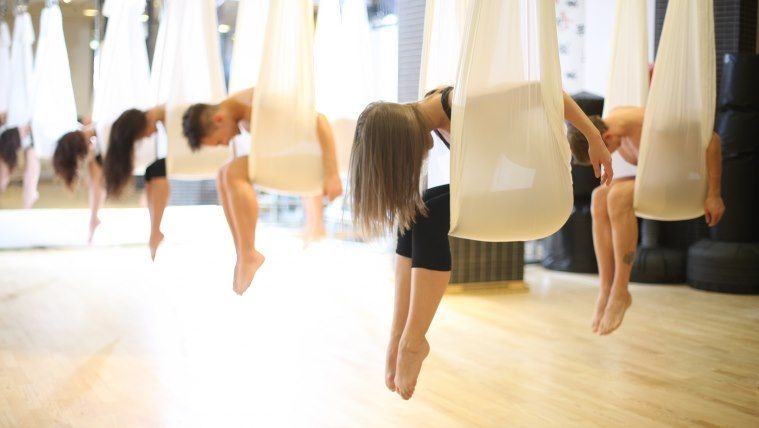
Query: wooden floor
[{"x": 101, "y": 337}]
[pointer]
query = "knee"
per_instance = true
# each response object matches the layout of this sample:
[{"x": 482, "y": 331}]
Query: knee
[
  {"x": 619, "y": 202},
  {"x": 598, "y": 201}
]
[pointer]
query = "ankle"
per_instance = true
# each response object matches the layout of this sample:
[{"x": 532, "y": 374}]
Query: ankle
[{"x": 411, "y": 344}]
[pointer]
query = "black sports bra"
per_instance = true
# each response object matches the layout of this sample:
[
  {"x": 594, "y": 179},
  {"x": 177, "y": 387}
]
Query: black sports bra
[{"x": 446, "y": 108}]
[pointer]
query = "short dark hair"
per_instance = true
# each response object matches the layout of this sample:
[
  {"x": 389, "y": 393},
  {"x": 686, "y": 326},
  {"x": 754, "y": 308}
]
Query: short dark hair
[
  {"x": 579, "y": 144},
  {"x": 10, "y": 142},
  {"x": 196, "y": 123}
]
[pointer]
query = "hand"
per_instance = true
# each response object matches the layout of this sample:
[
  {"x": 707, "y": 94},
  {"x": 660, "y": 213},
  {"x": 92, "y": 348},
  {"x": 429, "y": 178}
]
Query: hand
[
  {"x": 333, "y": 187},
  {"x": 599, "y": 156},
  {"x": 714, "y": 209}
]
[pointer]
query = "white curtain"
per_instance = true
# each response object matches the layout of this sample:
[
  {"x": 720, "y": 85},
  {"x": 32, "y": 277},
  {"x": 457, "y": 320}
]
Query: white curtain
[
  {"x": 510, "y": 172},
  {"x": 342, "y": 69},
  {"x": 53, "y": 104},
  {"x": 20, "y": 101},
  {"x": 186, "y": 70},
  {"x": 443, "y": 30},
  {"x": 123, "y": 79},
  {"x": 5, "y": 67},
  {"x": 628, "y": 71},
  {"x": 285, "y": 154},
  {"x": 671, "y": 182}
]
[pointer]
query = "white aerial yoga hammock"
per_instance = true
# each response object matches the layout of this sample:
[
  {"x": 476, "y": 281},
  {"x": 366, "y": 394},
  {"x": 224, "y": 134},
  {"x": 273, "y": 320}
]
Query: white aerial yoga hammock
[
  {"x": 671, "y": 182},
  {"x": 53, "y": 103},
  {"x": 246, "y": 55},
  {"x": 443, "y": 31},
  {"x": 628, "y": 71},
  {"x": 187, "y": 70},
  {"x": 5, "y": 67},
  {"x": 342, "y": 69},
  {"x": 123, "y": 80},
  {"x": 20, "y": 99},
  {"x": 285, "y": 154},
  {"x": 510, "y": 172}
]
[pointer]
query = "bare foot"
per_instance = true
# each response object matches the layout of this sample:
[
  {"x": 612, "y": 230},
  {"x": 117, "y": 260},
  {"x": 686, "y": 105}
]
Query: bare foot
[
  {"x": 29, "y": 203},
  {"x": 155, "y": 241},
  {"x": 619, "y": 301},
  {"x": 391, "y": 361},
  {"x": 313, "y": 235},
  {"x": 410, "y": 358},
  {"x": 245, "y": 270},
  {"x": 603, "y": 299},
  {"x": 94, "y": 223}
]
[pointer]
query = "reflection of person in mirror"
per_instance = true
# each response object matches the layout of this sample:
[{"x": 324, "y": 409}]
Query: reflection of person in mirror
[
  {"x": 615, "y": 227},
  {"x": 215, "y": 125},
  {"x": 118, "y": 166},
  {"x": 13, "y": 140},
  {"x": 390, "y": 145}
]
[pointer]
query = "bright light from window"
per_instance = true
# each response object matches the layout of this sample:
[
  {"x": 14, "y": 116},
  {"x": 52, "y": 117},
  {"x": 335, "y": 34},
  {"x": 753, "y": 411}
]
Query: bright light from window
[
  {"x": 224, "y": 28},
  {"x": 144, "y": 18},
  {"x": 67, "y": 1},
  {"x": 94, "y": 44},
  {"x": 90, "y": 12}
]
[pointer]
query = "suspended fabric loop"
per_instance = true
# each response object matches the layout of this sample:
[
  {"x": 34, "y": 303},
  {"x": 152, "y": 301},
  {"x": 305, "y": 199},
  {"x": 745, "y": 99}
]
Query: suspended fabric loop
[
  {"x": 441, "y": 47},
  {"x": 510, "y": 172},
  {"x": 343, "y": 69},
  {"x": 20, "y": 99},
  {"x": 246, "y": 56},
  {"x": 285, "y": 155},
  {"x": 628, "y": 72},
  {"x": 53, "y": 105},
  {"x": 5, "y": 67},
  {"x": 186, "y": 70},
  {"x": 671, "y": 182},
  {"x": 123, "y": 78}
]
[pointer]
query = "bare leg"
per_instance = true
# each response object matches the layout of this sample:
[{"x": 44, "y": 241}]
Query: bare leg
[
  {"x": 158, "y": 197},
  {"x": 31, "y": 177},
  {"x": 245, "y": 214},
  {"x": 97, "y": 196},
  {"x": 226, "y": 203},
  {"x": 5, "y": 176},
  {"x": 602, "y": 243},
  {"x": 314, "y": 208},
  {"x": 400, "y": 314},
  {"x": 624, "y": 227},
  {"x": 427, "y": 288}
]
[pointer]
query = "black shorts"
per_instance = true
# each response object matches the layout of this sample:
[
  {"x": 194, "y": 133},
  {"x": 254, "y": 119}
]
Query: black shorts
[
  {"x": 99, "y": 159},
  {"x": 426, "y": 243},
  {"x": 156, "y": 169}
]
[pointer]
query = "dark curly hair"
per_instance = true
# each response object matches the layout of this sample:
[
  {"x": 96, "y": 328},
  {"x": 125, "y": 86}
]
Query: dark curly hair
[
  {"x": 70, "y": 151},
  {"x": 10, "y": 142},
  {"x": 195, "y": 124},
  {"x": 579, "y": 144},
  {"x": 118, "y": 164}
]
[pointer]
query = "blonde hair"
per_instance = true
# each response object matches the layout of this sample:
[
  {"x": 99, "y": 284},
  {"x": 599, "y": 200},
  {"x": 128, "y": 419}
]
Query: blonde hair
[{"x": 388, "y": 153}]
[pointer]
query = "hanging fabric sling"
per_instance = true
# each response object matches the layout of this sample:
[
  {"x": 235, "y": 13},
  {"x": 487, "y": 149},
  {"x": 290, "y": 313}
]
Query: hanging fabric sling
[
  {"x": 285, "y": 155},
  {"x": 188, "y": 70},
  {"x": 510, "y": 172},
  {"x": 5, "y": 68},
  {"x": 122, "y": 81},
  {"x": 671, "y": 181},
  {"x": 343, "y": 74},
  {"x": 628, "y": 71},
  {"x": 20, "y": 98}
]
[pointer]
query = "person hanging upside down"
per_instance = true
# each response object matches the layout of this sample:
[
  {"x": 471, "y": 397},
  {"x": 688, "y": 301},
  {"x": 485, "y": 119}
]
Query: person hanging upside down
[
  {"x": 72, "y": 151},
  {"x": 615, "y": 227},
  {"x": 389, "y": 148},
  {"x": 11, "y": 141},
  {"x": 131, "y": 126},
  {"x": 217, "y": 124}
]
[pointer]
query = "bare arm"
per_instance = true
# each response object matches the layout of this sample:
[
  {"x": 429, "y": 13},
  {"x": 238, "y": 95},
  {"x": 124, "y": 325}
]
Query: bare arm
[
  {"x": 245, "y": 96},
  {"x": 599, "y": 154},
  {"x": 332, "y": 185},
  {"x": 714, "y": 207}
]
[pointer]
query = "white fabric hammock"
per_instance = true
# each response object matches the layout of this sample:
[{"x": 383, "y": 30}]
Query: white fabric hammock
[
  {"x": 671, "y": 182},
  {"x": 5, "y": 67},
  {"x": 123, "y": 79},
  {"x": 187, "y": 70},
  {"x": 628, "y": 72},
  {"x": 53, "y": 104},
  {"x": 342, "y": 69},
  {"x": 510, "y": 172},
  {"x": 441, "y": 46},
  {"x": 285, "y": 154},
  {"x": 20, "y": 100}
]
